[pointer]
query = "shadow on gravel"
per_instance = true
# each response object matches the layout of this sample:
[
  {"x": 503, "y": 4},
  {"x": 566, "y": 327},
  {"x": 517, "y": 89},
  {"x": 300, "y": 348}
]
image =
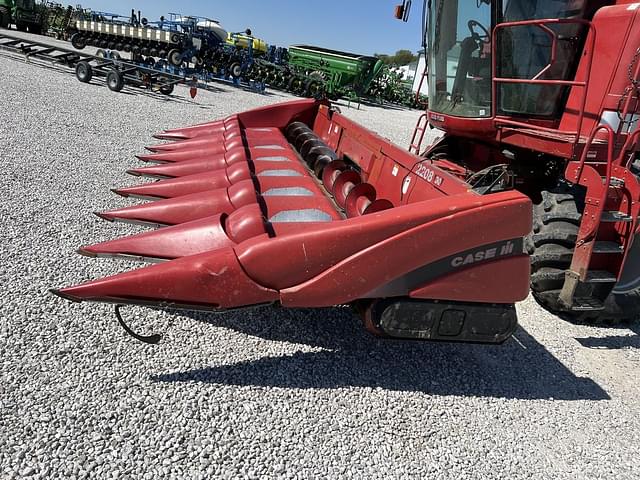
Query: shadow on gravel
[
  {"x": 350, "y": 357},
  {"x": 614, "y": 342}
]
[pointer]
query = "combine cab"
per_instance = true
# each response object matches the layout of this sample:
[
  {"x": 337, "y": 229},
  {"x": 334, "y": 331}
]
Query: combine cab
[{"x": 295, "y": 205}]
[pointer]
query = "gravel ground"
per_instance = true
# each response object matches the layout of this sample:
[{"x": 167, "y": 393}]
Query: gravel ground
[{"x": 263, "y": 394}]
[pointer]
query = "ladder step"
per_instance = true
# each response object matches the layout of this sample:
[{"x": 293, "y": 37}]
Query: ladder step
[
  {"x": 600, "y": 276},
  {"x": 608, "y": 247},
  {"x": 614, "y": 217},
  {"x": 587, "y": 304}
]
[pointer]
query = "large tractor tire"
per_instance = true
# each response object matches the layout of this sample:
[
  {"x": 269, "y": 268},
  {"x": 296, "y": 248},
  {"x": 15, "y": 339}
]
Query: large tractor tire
[
  {"x": 556, "y": 221},
  {"x": 5, "y": 17}
]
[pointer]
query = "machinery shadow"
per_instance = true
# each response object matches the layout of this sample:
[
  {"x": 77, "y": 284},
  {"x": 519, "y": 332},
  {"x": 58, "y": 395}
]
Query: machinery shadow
[
  {"x": 348, "y": 356},
  {"x": 614, "y": 342}
]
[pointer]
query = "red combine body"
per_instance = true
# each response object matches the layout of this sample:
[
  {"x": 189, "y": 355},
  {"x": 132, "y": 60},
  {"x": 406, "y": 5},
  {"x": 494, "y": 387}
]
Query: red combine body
[
  {"x": 296, "y": 205},
  {"x": 548, "y": 92}
]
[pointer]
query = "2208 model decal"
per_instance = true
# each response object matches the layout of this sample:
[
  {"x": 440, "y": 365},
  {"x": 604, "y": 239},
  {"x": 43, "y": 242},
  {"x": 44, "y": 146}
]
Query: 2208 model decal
[{"x": 429, "y": 175}]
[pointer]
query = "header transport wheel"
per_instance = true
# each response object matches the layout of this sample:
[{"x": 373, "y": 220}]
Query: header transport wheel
[
  {"x": 556, "y": 221},
  {"x": 115, "y": 80},
  {"x": 84, "y": 72}
]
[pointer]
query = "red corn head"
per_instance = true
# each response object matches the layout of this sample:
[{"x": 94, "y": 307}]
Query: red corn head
[{"x": 186, "y": 208}]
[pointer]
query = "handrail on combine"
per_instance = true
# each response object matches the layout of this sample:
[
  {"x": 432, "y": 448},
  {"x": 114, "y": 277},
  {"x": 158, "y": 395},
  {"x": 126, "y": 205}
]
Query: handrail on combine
[
  {"x": 585, "y": 153},
  {"x": 631, "y": 139},
  {"x": 607, "y": 181},
  {"x": 542, "y": 24}
]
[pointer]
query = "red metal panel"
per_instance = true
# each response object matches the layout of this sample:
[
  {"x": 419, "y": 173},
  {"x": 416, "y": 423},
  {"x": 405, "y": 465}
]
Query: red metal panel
[
  {"x": 390, "y": 257},
  {"x": 212, "y": 279},
  {"x": 314, "y": 249},
  {"x": 474, "y": 284},
  {"x": 617, "y": 40}
]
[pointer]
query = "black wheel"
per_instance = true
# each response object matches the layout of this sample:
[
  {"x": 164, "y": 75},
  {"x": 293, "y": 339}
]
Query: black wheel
[
  {"x": 35, "y": 29},
  {"x": 4, "y": 17},
  {"x": 78, "y": 41},
  {"x": 313, "y": 88},
  {"x": 21, "y": 27},
  {"x": 115, "y": 80},
  {"x": 127, "y": 47},
  {"x": 84, "y": 72},
  {"x": 556, "y": 221},
  {"x": 114, "y": 55},
  {"x": 175, "y": 57},
  {"x": 165, "y": 88},
  {"x": 235, "y": 70}
]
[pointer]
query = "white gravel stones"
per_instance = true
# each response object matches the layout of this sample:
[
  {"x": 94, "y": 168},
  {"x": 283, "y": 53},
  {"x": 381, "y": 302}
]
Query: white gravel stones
[{"x": 261, "y": 394}]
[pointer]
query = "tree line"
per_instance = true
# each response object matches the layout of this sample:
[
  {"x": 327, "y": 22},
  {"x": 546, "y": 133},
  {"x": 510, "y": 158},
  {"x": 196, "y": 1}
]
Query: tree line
[{"x": 400, "y": 58}]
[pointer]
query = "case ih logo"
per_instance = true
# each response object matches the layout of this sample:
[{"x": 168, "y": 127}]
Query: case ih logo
[{"x": 503, "y": 250}]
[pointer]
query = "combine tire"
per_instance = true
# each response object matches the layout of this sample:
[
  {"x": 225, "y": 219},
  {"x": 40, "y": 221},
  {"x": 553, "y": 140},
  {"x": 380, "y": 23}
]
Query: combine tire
[
  {"x": 4, "y": 17},
  {"x": 115, "y": 80},
  {"x": 84, "y": 72},
  {"x": 556, "y": 221}
]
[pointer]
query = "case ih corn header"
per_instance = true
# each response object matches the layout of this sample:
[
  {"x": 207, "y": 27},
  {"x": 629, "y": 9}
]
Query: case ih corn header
[{"x": 295, "y": 205}]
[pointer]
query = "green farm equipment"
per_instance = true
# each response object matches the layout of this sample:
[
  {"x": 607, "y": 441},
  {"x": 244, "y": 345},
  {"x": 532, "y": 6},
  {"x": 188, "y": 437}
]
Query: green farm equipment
[
  {"x": 61, "y": 19},
  {"x": 6, "y": 7},
  {"x": 26, "y": 14},
  {"x": 337, "y": 73}
]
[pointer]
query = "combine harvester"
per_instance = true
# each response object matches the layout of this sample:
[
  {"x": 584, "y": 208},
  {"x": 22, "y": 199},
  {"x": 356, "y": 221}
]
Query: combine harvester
[{"x": 297, "y": 206}]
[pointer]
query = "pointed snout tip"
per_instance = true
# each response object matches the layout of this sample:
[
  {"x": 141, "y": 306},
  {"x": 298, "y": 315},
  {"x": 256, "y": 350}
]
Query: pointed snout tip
[
  {"x": 65, "y": 296},
  {"x": 103, "y": 216},
  {"x": 86, "y": 253}
]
